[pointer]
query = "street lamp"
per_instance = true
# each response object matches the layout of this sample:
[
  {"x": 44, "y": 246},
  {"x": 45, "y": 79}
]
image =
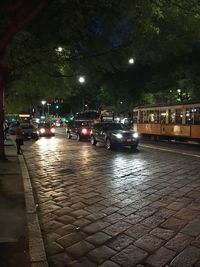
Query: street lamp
[
  {"x": 81, "y": 80},
  {"x": 131, "y": 61},
  {"x": 48, "y": 107},
  {"x": 43, "y": 103}
]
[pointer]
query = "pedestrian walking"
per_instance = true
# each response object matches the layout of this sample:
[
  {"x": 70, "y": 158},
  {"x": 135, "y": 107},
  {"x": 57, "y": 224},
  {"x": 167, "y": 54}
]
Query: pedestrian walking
[{"x": 19, "y": 138}]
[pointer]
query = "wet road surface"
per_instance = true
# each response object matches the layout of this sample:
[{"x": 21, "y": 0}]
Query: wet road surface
[{"x": 116, "y": 208}]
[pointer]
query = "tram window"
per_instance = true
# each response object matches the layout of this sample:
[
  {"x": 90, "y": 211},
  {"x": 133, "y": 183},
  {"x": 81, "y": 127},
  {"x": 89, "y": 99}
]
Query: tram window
[
  {"x": 172, "y": 115},
  {"x": 196, "y": 115},
  {"x": 179, "y": 116},
  {"x": 188, "y": 116},
  {"x": 163, "y": 116}
]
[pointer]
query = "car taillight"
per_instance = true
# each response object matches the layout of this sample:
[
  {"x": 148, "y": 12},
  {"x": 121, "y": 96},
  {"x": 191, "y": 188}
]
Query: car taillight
[
  {"x": 52, "y": 130},
  {"x": 84, "y": 131},
  {"x": 42, "y": 130}
]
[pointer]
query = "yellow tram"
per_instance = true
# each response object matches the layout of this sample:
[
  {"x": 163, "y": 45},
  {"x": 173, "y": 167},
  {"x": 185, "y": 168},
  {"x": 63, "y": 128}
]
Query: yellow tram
[{"x": 179, "y": 121}]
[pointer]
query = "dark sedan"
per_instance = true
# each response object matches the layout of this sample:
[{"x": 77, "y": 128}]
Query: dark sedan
[
  {"x": 81, "y": 130},
  {"x": 114, "y": 134}
]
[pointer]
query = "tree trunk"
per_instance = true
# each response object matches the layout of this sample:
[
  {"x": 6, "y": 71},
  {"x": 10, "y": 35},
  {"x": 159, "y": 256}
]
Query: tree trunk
[{"x": 2, "y": 149}]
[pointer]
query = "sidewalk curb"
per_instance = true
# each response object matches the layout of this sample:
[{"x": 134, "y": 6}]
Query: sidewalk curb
[{"x": 36, "y": 246}]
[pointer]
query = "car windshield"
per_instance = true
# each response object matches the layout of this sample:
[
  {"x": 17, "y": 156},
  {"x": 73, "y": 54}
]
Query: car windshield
[
  {"x": 28, "y": 126},
  {"x": 45, "y": 125},
  {"x": 113, "y": 126},
  {"x": 85, "y": 123}
]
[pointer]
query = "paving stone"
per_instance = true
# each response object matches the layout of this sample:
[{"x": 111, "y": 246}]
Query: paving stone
[
  {"x": 130, "y": 256},
  {"x": 179, "y": 242},
  {"x": 71, "y": 239},
  {"x": 81, "y": 212},
  {"x": 196, "y": 242},
  {"x": 187, "y": 214},
  {"x": 174, "y": 224},
  {"x": 65, "y": 219},
  {"x": 79, "y": 249},
  {"x": 63, "y": 211},
  {"x": 82, "y": 262},
  {"x": 164, "y": 213},
  {"x": 96, "y": 216},
  {"x": 137, "y": 231},
  {"x": 149, "y": 243},
  {"x": 117, "y": 228},
  {"x": 161, "y": 257},
  {"x": 53, "y": 248},
  {"x": 101, "y": 254},
  {"x": 109, "y": 264},
  {"x": 187, "y": 257},
  {"x": 60, "y": 259},
  {"x": 165, "y": 234},
  {"x": 126, "y": 211},
  {"x": 52, "y": 226},
  {"x": 95, "y": 227},
  {"x": 81, "y": 222},
  {"x": 119, "y": 242},
  {"x": 152, "y": 221},
  {"x": 133, "y": 218},
  {"x": 113, "y": 218},
  {"x": 193, "y": 228},
  {"x": 66, "y": 229},
  {"x": 146, "y": 211},
  {"x": 98, "y": 238},
  {"x": 176, "y": 205}
]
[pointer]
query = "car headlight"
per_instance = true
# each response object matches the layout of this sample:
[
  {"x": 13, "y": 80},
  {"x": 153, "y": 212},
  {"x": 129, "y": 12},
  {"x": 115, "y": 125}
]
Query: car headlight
[
  {"x": 52, "y": 130},
  {"x": 42, "y": 130},
  {"x": 135, "y": 135},
  {"x": 118, "y": 135}
]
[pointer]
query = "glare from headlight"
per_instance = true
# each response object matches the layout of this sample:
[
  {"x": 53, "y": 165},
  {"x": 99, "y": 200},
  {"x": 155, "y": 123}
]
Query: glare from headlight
[
  {"x": 42, "y": 130},
  {"x": 135, "y": 135},
  {"x": 119, "y": 135},
  {"x": 52, "y": 130}
]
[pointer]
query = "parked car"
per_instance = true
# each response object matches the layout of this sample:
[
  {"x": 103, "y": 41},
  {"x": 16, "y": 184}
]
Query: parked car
[
  {"x": 81, "y": 130},
  {"x": 46, "y": 129},
  {"x": 29, "y": 131},
  {"x": 113, "y": 134}
]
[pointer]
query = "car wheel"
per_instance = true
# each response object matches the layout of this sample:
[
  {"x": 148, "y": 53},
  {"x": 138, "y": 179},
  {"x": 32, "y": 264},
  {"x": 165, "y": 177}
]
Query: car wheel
[
  {"x": 68, "y": 135},
  {"x": 78, "y": 138},
  {"x": 93, "y": 140},
  {"x": 108, "y": 144}
]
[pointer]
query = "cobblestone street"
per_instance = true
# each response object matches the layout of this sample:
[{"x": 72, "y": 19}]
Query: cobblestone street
[{"x": 115, "y": 208}]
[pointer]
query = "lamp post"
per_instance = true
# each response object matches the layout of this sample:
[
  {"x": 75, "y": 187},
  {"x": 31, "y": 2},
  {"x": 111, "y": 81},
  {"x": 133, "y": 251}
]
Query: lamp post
[
  {"x": 43, "y": 103},
  {"x": 48, "y": 104},
  {"x": 81, "y": 80}
]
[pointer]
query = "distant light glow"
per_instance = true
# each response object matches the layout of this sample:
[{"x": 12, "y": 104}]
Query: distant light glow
[
  {"x": 131, "y": 61},
  {"x": 81, "y": 79}
]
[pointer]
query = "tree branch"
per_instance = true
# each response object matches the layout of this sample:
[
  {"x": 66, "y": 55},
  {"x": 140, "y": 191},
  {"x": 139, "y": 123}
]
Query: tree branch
[{"x": 18, "y": 25}]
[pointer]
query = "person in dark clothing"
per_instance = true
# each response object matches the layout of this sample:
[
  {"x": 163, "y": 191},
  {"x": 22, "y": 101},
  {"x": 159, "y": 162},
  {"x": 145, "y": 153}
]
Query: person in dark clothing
[{"x": 19, "y": 138}]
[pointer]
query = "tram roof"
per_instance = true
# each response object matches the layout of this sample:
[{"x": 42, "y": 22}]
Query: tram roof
[{"x": 170, "y": 105}]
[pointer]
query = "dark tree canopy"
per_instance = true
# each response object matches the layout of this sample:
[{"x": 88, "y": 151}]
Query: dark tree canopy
[{"x": 46, "y": 44}]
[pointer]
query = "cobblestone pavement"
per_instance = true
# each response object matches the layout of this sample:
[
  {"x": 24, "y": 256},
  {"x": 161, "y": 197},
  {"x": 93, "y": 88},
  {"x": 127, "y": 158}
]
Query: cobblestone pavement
[{"x": 115, "y": 208}]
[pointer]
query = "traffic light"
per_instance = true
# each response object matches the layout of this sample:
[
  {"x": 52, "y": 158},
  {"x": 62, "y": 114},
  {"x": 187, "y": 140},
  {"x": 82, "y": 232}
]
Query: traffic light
[{"x": 57, "y": 106}]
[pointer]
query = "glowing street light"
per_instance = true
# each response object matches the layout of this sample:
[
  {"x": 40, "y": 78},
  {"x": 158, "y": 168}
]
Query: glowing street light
[
  {"x": 81, "y": 79},
  {"x": 131, "y": 61},
  {"x": 43, "y": 103}
]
